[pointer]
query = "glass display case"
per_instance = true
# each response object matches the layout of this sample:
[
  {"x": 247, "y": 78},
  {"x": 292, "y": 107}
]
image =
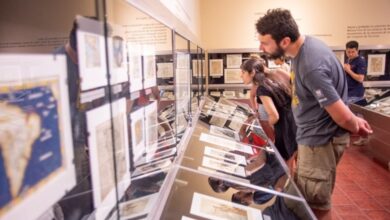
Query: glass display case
[{"x": 114, "y": 124}]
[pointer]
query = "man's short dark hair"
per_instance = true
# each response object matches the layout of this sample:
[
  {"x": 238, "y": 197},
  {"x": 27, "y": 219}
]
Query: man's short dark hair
[
  {"x": 279, "y": 23},
  {"x": 352, "y": 44}
]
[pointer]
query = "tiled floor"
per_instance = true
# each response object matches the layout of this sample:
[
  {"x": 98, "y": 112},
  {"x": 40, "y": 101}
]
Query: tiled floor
[{"x": 362, "y": 187}]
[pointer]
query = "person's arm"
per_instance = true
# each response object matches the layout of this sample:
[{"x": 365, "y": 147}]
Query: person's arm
[
  {"x": 269, "y": 106},
  {"x": 252, "y": 99},
  {"x": 321, "y": 86},
  {"x": 343, "y": 116},
  {"x": 356, "y": 76}
]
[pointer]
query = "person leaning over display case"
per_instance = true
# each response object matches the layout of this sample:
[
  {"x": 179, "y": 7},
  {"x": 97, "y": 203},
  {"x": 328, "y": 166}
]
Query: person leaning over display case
[
  {"x": 319, "y": 96},
  {"x": 275, "y": 96}
]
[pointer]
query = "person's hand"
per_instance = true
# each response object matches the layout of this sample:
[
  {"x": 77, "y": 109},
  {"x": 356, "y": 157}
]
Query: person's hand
[
  {"x": 347, "y": 67},
  {"x": 364, "y": 127}
]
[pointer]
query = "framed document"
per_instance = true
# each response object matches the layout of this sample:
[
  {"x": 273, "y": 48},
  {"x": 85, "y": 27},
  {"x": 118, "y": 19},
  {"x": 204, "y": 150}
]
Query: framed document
[
  {"x": 164, "y": 70},
  {"x": 220, "y": 165},
  {"x": 135, "y": 67},
  {"x": 101, "y": 154},
  {"x": 35, "y": 135},
  {"x": 149, "y": 64},
  {"x": 117, "y": 55},
  {"x": 216, "y": 67},
  {"x": 233, "y": 76},
  {"x": 91, "y": 52},
  {"x": 137, "y": 133},
  {"x": 233, "y": 60},
  {"x": 224, "y": 155},
  {"x": 376, "y": 64},
  {"x": 213, "y": 208},
  {"x": 151, "y": 127}
]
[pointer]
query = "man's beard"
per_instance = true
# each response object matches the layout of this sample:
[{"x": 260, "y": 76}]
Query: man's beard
[{"x": 277, "y": 54}]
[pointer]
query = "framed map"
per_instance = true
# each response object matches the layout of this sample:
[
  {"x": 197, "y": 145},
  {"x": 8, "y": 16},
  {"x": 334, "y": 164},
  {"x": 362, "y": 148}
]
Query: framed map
[
  {"x": 117, "y": 55},
  {"x": 137, "y": 133},
  {"x": 149, "y": 64},
  {"x": 91, "y": 53},
  {"x": 214, "y": 208},
  {"x": 101, "y": 154},
  {"x": 151, "y": 124},
  {"x": 135, "y": 67},
  {"x": 35, "y": 135},
  {"x": 233, "y": 60},
  {"x": 233, "y": 76},
  {"x": 216, "y": 67},
  {"x": 164, "y": 70},
  {"x": 376, "y": 64}
]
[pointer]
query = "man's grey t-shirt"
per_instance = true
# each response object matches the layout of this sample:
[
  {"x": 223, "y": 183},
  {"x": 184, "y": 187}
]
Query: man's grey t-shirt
[{"x": 318, "y": 81}]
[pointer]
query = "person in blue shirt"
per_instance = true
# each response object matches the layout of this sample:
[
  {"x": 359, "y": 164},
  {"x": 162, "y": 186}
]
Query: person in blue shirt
[{"x": 355, "y": 69}]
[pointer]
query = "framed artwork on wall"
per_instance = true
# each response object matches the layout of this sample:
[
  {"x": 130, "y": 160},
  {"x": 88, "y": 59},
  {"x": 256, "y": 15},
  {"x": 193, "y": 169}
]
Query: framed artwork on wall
[
  {"x": 216, "y": 67},
  {"x": 137, "y": 133},
  {"x": 233, "y": 60},
  {"x": 164, "y": 70},
  {"x": 135, "y": 67},
  {"x": 233, "y": 76},
  {"x": 117, "y": 54},
  {"x": 149, "y": 64},
  {"x": 91, "y": 53},
  {"x": 101, "y": 150},
  {"x": 376, "y": 64},
  {"x": 151, "y": 127},
  {"x": 35, "y": 135}
]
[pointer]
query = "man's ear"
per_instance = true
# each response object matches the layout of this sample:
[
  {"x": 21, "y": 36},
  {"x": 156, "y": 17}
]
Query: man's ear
[{"x": 285, "y": 42}]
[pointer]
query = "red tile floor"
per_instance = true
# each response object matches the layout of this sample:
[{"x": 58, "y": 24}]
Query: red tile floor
[{"x": 362, "y": 188}]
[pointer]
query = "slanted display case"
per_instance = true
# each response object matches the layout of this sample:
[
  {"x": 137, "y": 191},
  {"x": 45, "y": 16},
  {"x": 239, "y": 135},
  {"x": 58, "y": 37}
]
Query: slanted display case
[
  {"x": 91, "y": 134},
  {"x": 229, "y": 173}
]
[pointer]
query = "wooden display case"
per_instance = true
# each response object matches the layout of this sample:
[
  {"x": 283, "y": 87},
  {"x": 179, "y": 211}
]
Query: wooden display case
[{"x": 379, "y": 141}]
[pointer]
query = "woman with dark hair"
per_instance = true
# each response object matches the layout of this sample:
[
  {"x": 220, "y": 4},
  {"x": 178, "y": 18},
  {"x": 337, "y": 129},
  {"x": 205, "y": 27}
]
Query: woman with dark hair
[{"x": 273, "y": 92}]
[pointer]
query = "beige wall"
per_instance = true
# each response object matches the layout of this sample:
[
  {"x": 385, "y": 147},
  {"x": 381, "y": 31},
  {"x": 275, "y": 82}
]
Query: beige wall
[
  {"x": 38, "y": 26},
  {"x": 180, "y": 15},
  {"x": 230, "y": 23}
]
